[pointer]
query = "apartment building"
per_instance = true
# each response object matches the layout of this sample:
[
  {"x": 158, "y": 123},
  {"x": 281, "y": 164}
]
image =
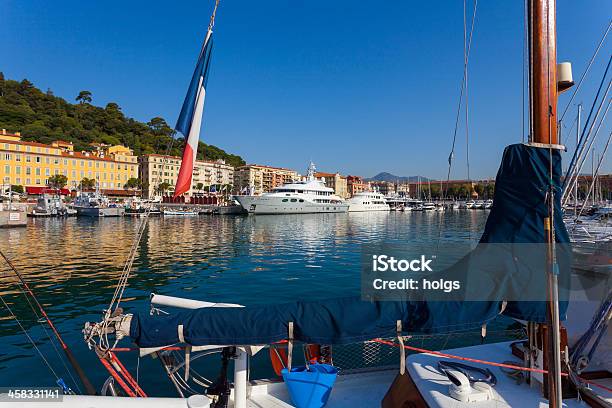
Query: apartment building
[
  {"x": 258, "y": 179},
  {"x": 356, "y": 185},
  {"x": 335, "y": 181},
  {"x": 157, "y": 169},
  {"x": 31, "y": 164}
]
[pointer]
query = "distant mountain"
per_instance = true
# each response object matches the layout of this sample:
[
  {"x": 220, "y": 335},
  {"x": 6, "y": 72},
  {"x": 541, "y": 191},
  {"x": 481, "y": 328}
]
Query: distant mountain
[{"x": 384, "y": 176}]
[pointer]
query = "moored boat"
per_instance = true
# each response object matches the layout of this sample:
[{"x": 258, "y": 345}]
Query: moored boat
[
  {"x": 367, "y": 201},
  {"x": 300, "y": 197}
]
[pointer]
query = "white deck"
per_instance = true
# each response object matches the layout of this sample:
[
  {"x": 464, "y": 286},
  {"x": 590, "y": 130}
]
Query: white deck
[
  {"x": 364, "y": 390},
  {"x": 433, "y": 385}
]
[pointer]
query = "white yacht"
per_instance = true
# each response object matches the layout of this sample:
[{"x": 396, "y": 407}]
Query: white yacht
[
  {"x": 300, "y": 197},
  {"x": 368, "y": 201}
]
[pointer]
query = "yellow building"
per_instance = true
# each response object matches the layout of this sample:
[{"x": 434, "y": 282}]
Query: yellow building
[{"x": 30, "y": 164}]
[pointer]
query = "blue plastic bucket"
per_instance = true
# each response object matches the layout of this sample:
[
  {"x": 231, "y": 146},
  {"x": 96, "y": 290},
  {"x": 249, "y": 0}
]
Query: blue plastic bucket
[{"x": 309, "y": 387}]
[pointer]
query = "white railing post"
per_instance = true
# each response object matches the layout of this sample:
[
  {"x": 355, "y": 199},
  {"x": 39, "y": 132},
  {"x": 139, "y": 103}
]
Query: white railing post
[{"x": 240, "y": 379}]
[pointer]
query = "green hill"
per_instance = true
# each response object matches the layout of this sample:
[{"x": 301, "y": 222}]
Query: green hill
[{"x": 43, "y": 117}]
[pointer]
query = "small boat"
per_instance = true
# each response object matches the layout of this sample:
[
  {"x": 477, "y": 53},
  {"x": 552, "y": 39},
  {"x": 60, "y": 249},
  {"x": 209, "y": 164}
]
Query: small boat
[
  {"x": 51, "y": 205},
  {"x": 180, "y": 212},
  {"x": 95, "y": 204},
  {"x": 429, "y": 206}
]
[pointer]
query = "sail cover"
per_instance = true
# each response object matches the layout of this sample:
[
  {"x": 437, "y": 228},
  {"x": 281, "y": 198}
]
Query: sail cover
[{"x": 516, "y": 217}]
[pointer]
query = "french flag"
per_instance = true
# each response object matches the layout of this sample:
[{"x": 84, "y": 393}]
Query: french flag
[{"x": 190, "y": 119}]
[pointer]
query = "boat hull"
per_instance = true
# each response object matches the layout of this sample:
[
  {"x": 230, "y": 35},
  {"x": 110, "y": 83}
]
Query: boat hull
[
  {"x": 275, "y": 205},
  {"x": 100, "y": 211}
]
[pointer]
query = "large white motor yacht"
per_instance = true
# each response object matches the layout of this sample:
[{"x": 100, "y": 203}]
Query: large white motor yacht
[
  {"x": 368, "y": 201},
  {"x": 300, "y": 197}
]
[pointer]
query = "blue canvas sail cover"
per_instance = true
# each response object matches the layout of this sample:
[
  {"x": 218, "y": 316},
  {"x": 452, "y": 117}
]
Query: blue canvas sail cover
[{"x": 516, "y": 217}]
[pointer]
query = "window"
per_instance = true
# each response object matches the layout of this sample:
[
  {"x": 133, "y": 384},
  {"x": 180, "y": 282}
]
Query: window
[
  {"x": 18, "y": 180},
  {"x": 37, "y": 159},
  {"x": 56, "y": 161},
  {"x": 17, "y": 170},
  {"x": 28, "y": 158},
  {"x": 285, "y": 200},
  {"x": 47, "y": 160},
  {"x": 28, "y": 171},
  {"x": 28, "y": 181},
  {"x": 97, "y": 165},
  {"x": 7, "y": 156},
  {"x": 47, "y": 172},
  {"x": 38, "y": 172},
  {"x": 301, "y": 200},
  {"x": 37, "y": 181},
  {"x": 27, "y": 150},
  {"x": 7, "y": 169},
  {"x": 293, "y": 200},
  {"x": 66, "y": 162}
]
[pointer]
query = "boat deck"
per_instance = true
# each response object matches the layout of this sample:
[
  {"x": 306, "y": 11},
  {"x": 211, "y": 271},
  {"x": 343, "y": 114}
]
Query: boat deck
[
  {"x": 348, "y": 391},
  {"x": 433, "y": 385}
]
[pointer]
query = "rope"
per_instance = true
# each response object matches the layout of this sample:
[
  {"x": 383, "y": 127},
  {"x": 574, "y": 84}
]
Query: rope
[
  {"x": 25, "y": 332},
  {"x": 586, "y": 71},
  {"x": 50, "y": 338},
  {"x": 485, "y": 362},
  {"x": 467, "y": 49}
]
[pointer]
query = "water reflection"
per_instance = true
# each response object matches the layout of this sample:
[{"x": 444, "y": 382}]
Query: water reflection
[{"x": 73, "y": 265}]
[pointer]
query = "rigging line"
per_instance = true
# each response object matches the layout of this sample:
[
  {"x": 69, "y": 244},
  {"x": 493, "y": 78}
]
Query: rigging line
[
  {"x": 586, "y": 70},
  {"x": 524, "y": 70},
  {"x": 591, "y": 187},
  {"x": 124, "y": 277},
  {"x": 25, "y": 332},
  {"x": 89, "y": 388},
  {"x": 465, "y": 62},
  {"x": 467, "y": 126},
  {"x": 581, "y": 160},
  {"x": 581, "y": 141},
  {"x": 44, "y": 328}
]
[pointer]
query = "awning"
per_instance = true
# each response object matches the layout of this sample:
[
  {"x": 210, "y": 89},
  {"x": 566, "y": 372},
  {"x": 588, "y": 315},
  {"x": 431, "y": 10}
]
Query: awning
[{"x": 34, "y": 190}]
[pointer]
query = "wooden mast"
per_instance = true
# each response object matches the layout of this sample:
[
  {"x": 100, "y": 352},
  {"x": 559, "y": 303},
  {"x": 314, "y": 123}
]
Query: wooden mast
[
  {"x": 543, "y": 133},
  {"x": 543, "y": 71}
]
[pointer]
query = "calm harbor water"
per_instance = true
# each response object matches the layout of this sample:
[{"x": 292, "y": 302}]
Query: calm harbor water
[{"x": 73, "y": 265}]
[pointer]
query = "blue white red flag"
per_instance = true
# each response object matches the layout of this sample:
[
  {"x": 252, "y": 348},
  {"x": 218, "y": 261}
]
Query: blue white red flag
[{"x": 190, "y": 118}]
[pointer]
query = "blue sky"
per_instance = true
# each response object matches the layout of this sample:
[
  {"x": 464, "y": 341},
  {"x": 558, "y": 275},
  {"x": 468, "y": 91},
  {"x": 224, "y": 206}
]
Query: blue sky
[{"x": 358, "y": 87}]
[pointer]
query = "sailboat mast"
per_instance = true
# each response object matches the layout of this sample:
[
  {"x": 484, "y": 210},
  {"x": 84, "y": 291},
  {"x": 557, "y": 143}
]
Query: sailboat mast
[
  {"x": 543, "y": 133},
  {"x": 543, "y": 71}
]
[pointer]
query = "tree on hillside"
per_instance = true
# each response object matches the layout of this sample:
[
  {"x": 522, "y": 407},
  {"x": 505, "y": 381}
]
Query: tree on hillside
[
  {"x": 57, "y": 181},
  {"x": 42, "y": 117},
  {"x": 84, "y": 97},
  {"x": 88, "y": 184}
]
